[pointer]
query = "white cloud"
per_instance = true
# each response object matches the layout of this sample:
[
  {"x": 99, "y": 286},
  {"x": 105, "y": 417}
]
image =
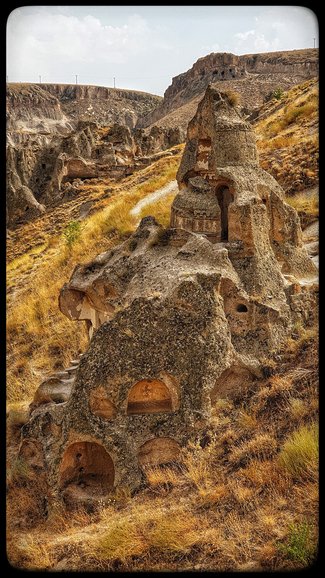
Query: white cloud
[
  {"x": 143, "y": 47},
  {"x": 244, "y": 35},
  {"x": 277, "y": 28},
  {"x": 254, "y": 41},
  {"x": 45, "y": 41}
]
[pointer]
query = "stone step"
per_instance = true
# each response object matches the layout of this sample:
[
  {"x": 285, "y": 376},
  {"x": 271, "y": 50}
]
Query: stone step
[
  {"x": 58, "y": 392},
  {"x": 60, "y": 374},
  {"x": 71, "y": 369}
]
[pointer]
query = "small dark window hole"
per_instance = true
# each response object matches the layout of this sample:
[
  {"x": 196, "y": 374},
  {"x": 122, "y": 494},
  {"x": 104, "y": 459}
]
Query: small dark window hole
[{"x": 241, "y": 308}]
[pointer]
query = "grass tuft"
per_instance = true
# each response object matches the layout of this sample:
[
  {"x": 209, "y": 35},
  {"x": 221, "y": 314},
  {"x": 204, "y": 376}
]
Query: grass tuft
[{"x": 299, "y": 454}]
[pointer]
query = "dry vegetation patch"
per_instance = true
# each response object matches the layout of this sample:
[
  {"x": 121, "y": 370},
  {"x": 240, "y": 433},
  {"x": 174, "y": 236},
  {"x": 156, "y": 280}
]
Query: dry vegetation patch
[{"x": 287, "y": 137}]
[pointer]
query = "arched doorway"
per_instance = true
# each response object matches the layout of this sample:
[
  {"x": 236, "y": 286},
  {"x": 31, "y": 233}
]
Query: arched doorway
[
  {"x": 149, "y": 396},
  {"x": 88, "y": 467},
  {"x": 225, "y": 197}
]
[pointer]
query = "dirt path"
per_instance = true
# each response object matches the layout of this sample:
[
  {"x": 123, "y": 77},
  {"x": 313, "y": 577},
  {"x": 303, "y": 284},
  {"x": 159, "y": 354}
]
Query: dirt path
[{"x": 160, "y": 193}]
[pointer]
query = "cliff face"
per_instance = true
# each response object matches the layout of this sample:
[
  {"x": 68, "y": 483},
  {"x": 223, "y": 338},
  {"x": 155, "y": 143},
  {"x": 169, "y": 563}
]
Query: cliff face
[
  {"x": 103, "y": 104},
  {"x": 29, "y": 103},
  {"x": 252, "y": 75}
]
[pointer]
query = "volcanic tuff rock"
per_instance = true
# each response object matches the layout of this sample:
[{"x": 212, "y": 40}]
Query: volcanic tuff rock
[
  {"x": 177, "y": 318},
  {"x": 57, "y": 133},
  {"x": 27, "y": 103},
  {"x": 253, "y": 76}
]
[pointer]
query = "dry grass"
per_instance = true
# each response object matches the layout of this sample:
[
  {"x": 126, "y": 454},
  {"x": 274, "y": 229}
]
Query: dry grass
[
  {"x": 262, "y": 446},
  {"x": 40, "y": 338},
  {"x": 299, "y": 454},
  {"x": 234, "y": 98},
  {"x": 160, "y": 209},
  {"x": 120, "y": 542},
  {"x": 303, "y": 203},
  {"x": 287, "y": 137}
]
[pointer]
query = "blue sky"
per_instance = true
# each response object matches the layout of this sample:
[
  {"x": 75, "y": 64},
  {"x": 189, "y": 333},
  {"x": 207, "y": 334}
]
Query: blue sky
[{"x": 143, "y": 47}]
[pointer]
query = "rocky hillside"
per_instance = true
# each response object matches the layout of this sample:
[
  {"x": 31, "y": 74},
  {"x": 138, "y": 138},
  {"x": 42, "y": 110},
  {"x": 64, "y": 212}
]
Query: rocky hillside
[
  {"x": 28, "y": 105},
  {"x": 287, "y": 131},
  {"x": 253, "y": 76},
  {"x": 234, "y": 322},
  {"x": 58, "y": 133}
]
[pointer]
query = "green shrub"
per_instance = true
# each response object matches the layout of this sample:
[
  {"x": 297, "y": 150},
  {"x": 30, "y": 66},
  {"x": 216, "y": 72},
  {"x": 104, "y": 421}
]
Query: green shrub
[
  {"x": 72, "y": 233},
  {"x": 278, "y": 93},
  {"x": 299, "y": 454},
  {"x": 300, "y": 546}
]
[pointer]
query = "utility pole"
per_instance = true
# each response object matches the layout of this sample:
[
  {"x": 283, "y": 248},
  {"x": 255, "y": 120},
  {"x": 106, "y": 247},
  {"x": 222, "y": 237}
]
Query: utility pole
[
  {"x": 76, "y": 78},
  {"x": 114, "y": 81},
  {"x": 314, "y": 42},
  {"x": 40, "y": 79}
]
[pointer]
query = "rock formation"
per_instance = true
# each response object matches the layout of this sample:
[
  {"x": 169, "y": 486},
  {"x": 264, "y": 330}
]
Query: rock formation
[
  {"x": 253, "y": 76},
  {"x": 58, "y": 133},
  {"x": 177, "y": 319}
]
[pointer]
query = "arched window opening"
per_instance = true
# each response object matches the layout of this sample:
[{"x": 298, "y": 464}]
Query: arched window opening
[{"x": 149, "y": 396}]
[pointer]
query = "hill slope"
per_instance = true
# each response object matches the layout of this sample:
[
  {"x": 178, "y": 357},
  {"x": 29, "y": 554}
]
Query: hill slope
[
  {"x": 252, "y": 75},
  {"x": 287, "y": 132},
  {"x": 58, "y": 133}
]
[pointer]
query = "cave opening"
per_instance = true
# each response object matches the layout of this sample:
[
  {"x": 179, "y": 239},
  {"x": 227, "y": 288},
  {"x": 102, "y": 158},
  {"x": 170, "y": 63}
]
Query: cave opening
[
  {"x": 87, "y": 467},
  {"x": 224, "y": 197}
]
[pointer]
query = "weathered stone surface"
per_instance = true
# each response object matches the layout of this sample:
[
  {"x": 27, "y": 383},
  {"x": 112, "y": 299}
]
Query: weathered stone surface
[
  {"x": 177, "y": 317},
  {"x": 225, "y": 195},
  {"x": 56, "y": 134}
]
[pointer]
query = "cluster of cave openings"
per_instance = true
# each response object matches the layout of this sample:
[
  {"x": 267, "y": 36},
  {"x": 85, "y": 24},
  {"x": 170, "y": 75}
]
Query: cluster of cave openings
[
  {"x": 225, "y": 197},
  {"x": 150, "y": 396},
  {"x": 88, "y": 466},
  {"x": 159, "y": 451}
]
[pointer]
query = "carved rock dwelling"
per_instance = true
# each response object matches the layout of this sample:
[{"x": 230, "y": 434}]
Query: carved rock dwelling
[{"x": 177, "y": 318}]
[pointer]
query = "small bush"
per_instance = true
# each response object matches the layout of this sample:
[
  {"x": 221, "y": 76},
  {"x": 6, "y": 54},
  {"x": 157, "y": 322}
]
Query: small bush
[
  {"x": 298, "y": 409},
  {"x": 175, "y": 533},
  {"x": 300, "y": 546},
  {"x": 72, "y": 233},
  {"x": 299, "y": 454},
  {"x": 278, "y": 93}
]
